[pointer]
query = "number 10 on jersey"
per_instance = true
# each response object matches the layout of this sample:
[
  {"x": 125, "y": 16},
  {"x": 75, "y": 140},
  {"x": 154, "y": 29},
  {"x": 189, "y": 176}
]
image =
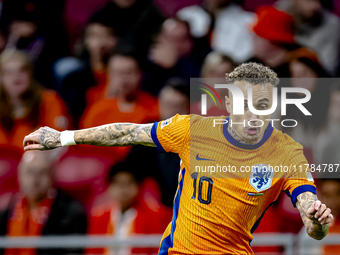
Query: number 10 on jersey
[{"x": 200, "y": 186}]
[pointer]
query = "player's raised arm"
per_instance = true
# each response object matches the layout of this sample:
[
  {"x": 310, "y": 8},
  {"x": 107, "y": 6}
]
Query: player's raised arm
[
  {"x": 315, "y": 215},
  {"x": 117, "y": 134}
]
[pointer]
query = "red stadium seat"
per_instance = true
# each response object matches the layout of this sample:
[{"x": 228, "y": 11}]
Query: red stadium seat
[
  {"x": 82, "y": 171},
  {"x": 9, "y": 161},
  {"x": 5, "y": 199},
  {"x": 149, "y": 194}
]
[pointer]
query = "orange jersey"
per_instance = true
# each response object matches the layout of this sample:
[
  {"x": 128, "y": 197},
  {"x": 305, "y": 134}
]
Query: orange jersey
[
  {"x": 97, "y": 92},
  {"x": 216, "y": 210}
]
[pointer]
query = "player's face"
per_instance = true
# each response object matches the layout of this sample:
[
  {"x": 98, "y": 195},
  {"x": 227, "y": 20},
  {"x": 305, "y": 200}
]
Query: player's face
[
  {"x": 123, "y": 188},
  {"x": 262, "y": 96}
]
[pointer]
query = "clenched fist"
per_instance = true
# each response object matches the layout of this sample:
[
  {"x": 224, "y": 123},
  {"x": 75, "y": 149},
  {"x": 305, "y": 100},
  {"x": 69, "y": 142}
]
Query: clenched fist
[
  {"x": 320, "y": 213},
  {"x": 44, "y": 138}
]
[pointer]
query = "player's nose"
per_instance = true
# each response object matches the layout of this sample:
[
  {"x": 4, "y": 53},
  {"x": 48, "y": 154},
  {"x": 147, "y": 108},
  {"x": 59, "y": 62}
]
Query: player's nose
[{"x": 253, "y": 119}]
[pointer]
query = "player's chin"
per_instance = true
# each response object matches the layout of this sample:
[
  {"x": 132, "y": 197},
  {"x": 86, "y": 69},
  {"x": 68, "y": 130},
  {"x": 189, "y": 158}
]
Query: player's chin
[{"x": 252, "y": 137}]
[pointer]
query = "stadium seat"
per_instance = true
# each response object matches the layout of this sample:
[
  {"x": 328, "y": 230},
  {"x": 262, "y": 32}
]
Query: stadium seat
[
  {"x": 9, "y": 161},
  {"x": 82, "y": 171}
]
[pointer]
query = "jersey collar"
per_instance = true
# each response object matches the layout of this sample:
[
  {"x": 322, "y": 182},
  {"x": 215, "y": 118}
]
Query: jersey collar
[{"x": 233, "y": 141}]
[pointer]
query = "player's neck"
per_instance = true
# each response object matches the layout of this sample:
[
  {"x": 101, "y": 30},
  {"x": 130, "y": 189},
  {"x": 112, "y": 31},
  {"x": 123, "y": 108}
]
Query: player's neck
[{"x": 232, "y": 131}]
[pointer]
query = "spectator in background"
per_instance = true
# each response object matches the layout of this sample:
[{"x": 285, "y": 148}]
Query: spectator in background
[
  {"x": 39, "y": 209},
  {"x": 274, "y": 39},
  {"x": 225, "y": 24},
  {"x": 174, "y": 54},
  {"x": 216, "y": 66},
  {"x": 126, "y": 213},
  {"x": 136, "y": 22},
  {"x": 164, "y": 167},
  {"x": 174, "y": 98},
  {"x": 24, "y": 105},
  {"x": 122, "y": 96},
  {"x": 122, "y": 100},
  {"x": 99, "y": 42},
  {"x": 75, "y": 75},
  {"x": 311, "y": 131},
  {"x": 34, "y": 26},
  {"x": 316, "y": 28},
  {"x": 329, "y": 192},
  {"x": 331, "y": 153},
  {"x": 334, "y": 108}
]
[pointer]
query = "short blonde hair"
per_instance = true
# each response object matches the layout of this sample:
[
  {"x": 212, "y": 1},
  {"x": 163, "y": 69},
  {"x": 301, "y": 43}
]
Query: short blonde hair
[{"x": 254, "y": 73}]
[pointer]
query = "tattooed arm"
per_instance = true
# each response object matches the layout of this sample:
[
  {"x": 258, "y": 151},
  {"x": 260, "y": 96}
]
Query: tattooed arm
[
  {"x": 118, "y": 134},
  {"x": 315, "y": 216}
]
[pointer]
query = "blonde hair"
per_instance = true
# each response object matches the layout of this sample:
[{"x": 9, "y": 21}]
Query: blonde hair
[{"x": 253, "y": 73}]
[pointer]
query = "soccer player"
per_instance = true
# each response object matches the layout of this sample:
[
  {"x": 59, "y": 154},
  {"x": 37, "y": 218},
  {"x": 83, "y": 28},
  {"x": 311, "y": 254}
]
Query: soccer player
[{"x": 216, "y": 213}]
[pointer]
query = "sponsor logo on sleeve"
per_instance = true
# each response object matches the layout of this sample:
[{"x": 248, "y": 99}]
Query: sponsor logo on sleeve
[{"x": 165, "y": 122}]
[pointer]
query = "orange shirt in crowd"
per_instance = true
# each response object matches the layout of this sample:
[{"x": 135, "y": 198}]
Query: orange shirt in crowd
[
  {"x": 100, "y": 77},
  {"x": 53, "y": 113},
  {"x": 26, "y": 222},
  {"x": 333, "y": 229},
  {"x": 139, "y": 219},
  {"x": 107, "y": 111},
  {"x": 97, "y": 93}
]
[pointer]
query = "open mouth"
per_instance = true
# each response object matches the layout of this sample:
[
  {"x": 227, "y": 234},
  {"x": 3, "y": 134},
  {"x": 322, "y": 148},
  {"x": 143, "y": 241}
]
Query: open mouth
[{"x": 252, "y": 131}]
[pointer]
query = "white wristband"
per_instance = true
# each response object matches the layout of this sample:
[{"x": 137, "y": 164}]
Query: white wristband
[{"x": 67, "y": 138}]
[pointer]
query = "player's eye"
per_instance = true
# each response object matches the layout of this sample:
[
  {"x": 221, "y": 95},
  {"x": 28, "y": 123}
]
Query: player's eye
[{"x": 262, "y": 106}]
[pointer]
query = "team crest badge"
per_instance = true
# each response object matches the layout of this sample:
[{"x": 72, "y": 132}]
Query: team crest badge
[{"x": 261, "y": 177}]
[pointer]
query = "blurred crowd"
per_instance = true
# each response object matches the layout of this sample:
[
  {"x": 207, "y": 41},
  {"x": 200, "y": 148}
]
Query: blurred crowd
[{"x": 72, "y": 64}]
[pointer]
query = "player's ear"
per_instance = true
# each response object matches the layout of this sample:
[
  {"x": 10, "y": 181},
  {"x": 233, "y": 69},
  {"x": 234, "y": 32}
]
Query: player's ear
[{"x": 228, "y": 104}]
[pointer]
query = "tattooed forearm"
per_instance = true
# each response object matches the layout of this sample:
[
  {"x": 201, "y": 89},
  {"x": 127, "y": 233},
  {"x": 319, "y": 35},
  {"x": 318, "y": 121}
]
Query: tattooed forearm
[
  {"x": 313, "y": 226},
  {"x": 119, "y": 134},
  {"x": 306, "y": 200}
]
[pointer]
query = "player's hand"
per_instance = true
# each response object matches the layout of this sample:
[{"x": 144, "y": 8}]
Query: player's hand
[
  {"x": 44, "y": 138},
  {"x": 319, "y": 213}
]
